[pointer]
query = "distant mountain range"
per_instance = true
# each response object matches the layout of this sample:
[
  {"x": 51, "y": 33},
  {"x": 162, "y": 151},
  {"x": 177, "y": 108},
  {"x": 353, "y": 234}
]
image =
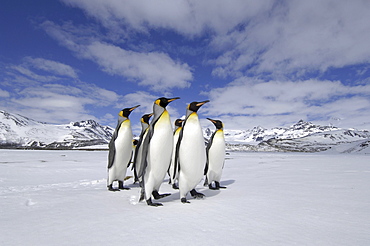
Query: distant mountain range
[
  {"x": 18, "y": 131},
  {"x": 300, "y": 137}
]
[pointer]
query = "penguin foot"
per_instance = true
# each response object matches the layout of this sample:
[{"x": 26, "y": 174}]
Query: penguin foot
[
  {"x": 183, "y": 200},
  {"x": 121, "y": 187},
  {"x": 110, "y": 188},
  {"x": 157, "y": 196},
  {"x": 175, "y": 186},
  {"x": 218, "y": 185},
  {"x": 196, "y": 194},
  {"x": 142, "y": 194},
  {"x": 153, "y": 204},
  {"x": 213, "y": 188}
]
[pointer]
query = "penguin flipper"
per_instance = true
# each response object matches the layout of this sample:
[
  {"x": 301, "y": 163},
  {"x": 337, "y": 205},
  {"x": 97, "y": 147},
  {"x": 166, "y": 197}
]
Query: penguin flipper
[
  {"x": 111, "y": 154},
  {"x": 207, "y": 153},
  {"x": 144, "y": 145},
  {"x": 130, "y": 160},
  {"x": 177, "y": 153},
  {"x": 112, "y": 149},
  {"x": 138, "y": 146}
]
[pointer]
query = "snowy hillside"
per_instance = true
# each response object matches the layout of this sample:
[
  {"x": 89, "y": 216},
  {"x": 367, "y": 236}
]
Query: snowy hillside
[
  {"x": 300, "y": 137},
  {"x": 259, "y": 134},
  {"x": 60, "y": 198},
  {"x": 20, "y": 131}
]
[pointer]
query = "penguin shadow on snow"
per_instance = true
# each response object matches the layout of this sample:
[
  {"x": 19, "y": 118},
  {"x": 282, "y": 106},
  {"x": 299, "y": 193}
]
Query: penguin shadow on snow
[
  {"x": 209, "y": 193},
  {"x": 175, "y": 194},
  {"x": 227, "y": 182}
]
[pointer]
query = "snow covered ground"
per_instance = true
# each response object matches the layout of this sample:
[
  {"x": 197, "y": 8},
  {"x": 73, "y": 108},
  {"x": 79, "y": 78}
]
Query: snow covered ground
[{"x": 60, "y": 198}]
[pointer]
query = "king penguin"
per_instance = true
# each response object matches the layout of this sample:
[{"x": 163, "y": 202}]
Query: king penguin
[
  {"x": 215, "y": 156},
  {"x": 191, "y": 153},
  {"x": 158, "y": 145},
  {"x": 137, "y": 163},
  {"x": 120, "y": 150},
  {"x": 171, "y": 171}
]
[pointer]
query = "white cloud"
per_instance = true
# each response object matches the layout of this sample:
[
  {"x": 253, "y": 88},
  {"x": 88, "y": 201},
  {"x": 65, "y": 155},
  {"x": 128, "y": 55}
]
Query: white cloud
[
  {"x": 142, "y": 98},
  {"x": 297, "y": 37},
  {"x": 52, "y": 66},
  {"x": 107, "y": 119},
  {"x": 56, "y": 103},
  {"x": 257, "y": 36},
  {"x": 187, "y": 17},
  {"x": 50, "y": 100},
  {"x": 153, "y": 69},
  {"x": 35, "y": 71},
  {"x": 51, "y": 106},
  {"x": 245, "y": 102},
  {"x": 24, "y": 71},
  {"x": 100, "y": 96},
  {"x": 4, "y": 93},
  {"x": 156, "y": 70}
]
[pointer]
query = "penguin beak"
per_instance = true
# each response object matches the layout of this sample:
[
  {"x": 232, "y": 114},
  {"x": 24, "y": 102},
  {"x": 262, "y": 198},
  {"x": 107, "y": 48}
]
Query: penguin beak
[
  {"x": 201, "y": 103},
  {"x": 134, "y": 107},
  {"x": 213, "y": 121},
  {"x": 150, "y": 115},
  {"x": 173, "y": 99}
]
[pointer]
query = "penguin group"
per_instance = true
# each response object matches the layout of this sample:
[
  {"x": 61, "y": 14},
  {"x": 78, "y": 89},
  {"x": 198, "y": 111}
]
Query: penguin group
[{"x": 180, "y": 153}]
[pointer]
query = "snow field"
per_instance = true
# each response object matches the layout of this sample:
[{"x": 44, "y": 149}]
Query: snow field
[{"x": 60, "y": 198}]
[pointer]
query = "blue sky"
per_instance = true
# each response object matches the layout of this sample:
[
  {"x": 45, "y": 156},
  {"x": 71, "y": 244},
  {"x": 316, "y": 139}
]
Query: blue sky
[{"x": 267, "y": 63}]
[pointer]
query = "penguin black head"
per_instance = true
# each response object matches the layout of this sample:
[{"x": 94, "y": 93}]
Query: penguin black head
[
  {"x": 178, "y": 122},
  {"x": 218, "y": 124},
  {"x": 163, "y": 101},
  {"x": 127, "y": 111},
  {"x": 145, "y": 118},
  {"x": 194, "y": 106}
]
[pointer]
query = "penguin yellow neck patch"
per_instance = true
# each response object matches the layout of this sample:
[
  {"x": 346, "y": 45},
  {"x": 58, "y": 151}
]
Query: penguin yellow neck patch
[{"x": 165, "y": 114}]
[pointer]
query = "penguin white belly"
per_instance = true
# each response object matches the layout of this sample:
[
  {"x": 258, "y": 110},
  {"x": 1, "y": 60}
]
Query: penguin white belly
[
  {"x": 159, "y": 154},
  {"x": 192, "y": 155},
  {"x": 216, "y": 157},
  {"x": 123, "y": 147}
]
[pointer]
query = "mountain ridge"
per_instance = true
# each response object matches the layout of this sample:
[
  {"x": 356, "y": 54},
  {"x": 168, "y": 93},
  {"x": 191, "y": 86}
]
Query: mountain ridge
[{"x": 17, "y": 131}]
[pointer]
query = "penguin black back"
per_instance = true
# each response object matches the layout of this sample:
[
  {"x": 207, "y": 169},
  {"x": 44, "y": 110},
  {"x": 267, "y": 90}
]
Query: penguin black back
[{"x": 219, "y": 126}]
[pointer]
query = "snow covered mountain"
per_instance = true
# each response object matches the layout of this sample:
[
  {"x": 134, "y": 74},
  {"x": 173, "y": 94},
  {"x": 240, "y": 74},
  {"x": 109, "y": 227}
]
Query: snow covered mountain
[
  {"x": 259, "y": 134},
  {"x": 300, "y": 137},
  {"x": 20, "y": 131},
  {"x": 17, "y": 131}
]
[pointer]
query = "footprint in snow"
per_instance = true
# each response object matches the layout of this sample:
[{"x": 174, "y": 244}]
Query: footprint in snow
[{"x": 29, "y": 203}]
